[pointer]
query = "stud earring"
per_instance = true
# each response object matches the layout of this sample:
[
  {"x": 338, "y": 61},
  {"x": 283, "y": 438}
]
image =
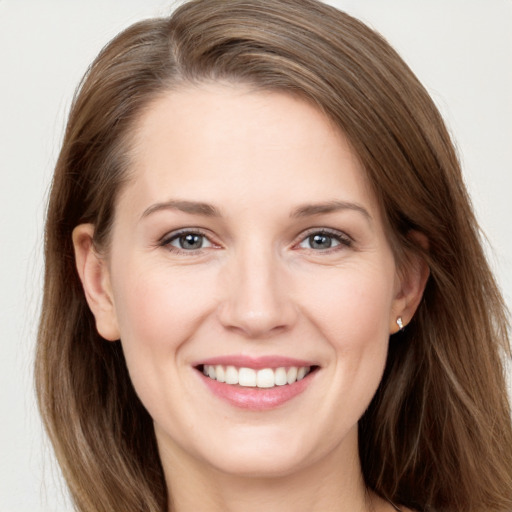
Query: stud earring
[{"x": 400, "y": 323}]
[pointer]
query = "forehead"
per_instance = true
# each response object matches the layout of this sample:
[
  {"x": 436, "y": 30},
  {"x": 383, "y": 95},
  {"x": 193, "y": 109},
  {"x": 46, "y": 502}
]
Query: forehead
[{"x": 222, "y": 141}]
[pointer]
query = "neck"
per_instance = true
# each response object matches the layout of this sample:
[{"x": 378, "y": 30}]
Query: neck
[{"x": 332, "y": 483}]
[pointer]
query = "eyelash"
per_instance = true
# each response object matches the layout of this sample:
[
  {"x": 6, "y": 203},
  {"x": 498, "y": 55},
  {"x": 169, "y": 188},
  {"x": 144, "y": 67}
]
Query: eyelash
[
  {"x": 342, "y": 239},
  {"x": 176, "y": 235}
]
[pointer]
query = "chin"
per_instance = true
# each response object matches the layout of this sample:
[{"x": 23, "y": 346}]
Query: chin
[
  {"x": 269, "y": 454},
  {"x": 258, "y": 465}
]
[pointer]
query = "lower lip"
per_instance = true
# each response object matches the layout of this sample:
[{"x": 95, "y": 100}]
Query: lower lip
[{"x": 254, "y": 398}]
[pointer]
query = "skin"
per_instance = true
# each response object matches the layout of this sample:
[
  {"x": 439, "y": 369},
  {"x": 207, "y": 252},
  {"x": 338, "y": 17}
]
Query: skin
[{"x": 257, "y": 286}]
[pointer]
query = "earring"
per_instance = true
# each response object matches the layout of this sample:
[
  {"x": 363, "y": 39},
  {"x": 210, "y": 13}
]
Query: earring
[{"x": 400, "y": 323}]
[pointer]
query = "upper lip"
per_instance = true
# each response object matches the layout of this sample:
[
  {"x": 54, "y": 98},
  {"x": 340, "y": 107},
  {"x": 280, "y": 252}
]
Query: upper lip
[{"x": 257, "y": 363}]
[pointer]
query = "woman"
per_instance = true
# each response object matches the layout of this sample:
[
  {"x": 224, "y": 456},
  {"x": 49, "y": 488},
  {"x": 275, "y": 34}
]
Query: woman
[{"x": 264, "y": 282}]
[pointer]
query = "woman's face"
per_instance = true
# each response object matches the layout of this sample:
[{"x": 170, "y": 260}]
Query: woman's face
[{"x": 248, "y": 246}]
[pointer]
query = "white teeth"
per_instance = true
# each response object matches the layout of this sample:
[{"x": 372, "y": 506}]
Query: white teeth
[
  {"x": 219, "y": 371},
  {"x": 231, "y": 375},
  {"x": 265, "y": 378},
  {"x": 291, "y": 375},
  {"x": 248, "y": 377},
  {"x": 280, "y": 377}
]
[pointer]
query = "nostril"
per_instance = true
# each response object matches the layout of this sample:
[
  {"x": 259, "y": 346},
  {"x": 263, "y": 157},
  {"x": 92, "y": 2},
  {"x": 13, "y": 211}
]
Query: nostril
[{"x": 256, "y": 303}]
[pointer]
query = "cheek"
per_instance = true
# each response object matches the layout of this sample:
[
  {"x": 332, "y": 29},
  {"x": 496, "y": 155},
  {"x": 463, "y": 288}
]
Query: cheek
[
  {"x": 159, "y": 309},
  {"x": 352, "y": 312},
  {"x": 351, "y": 306}
]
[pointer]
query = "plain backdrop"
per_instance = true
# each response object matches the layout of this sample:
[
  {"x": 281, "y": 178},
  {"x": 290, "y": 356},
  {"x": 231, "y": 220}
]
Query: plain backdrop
[{"x": 461, "y": 50}]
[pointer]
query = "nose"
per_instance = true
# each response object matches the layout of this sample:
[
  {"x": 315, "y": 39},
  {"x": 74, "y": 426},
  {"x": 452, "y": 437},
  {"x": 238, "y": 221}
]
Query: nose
[{"x": 257, "y": 298}]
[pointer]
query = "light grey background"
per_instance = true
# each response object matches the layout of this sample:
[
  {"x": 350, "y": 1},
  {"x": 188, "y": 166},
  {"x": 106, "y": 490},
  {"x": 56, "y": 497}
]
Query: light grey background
[{"x": 461, "y": 50}]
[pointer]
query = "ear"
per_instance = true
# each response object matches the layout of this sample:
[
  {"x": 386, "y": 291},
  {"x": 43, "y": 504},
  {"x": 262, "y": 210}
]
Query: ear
[
  {"x": 411, "y": 281},
  {"x": 95, "y": 276}
]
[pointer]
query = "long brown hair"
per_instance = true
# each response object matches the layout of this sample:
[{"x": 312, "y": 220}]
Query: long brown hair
[{"x": 437, "y": 435}]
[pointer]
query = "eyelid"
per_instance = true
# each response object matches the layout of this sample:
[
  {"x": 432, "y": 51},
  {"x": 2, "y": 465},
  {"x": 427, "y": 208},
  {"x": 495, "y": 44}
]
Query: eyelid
[
  {"x": 165, "y": 241},
  {"x": 342, "y": 237}
]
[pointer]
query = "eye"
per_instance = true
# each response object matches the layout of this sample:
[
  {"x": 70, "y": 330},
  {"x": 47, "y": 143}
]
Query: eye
[
  {"x": 187, "y": 241},
  {"x": 324, "y": 240}
]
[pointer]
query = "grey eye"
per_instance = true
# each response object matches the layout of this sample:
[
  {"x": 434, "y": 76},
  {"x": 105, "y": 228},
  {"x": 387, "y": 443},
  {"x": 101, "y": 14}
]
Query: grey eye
[
  {"x": 319, "y": 241},
  {"x": 190, "y": 241}
]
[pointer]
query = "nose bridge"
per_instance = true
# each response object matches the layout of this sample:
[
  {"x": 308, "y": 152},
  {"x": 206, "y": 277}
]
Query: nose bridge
[{"x": 257, "y": 301}]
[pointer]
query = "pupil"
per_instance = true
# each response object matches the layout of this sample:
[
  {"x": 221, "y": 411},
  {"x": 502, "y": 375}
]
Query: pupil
[
  {"x": 191, "y": 241},
  {"x": 319, "y": 241}
]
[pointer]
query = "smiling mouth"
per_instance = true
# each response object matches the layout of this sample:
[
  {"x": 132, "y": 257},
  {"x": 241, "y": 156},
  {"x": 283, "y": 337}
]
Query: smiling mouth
[{"x": 251, "y": 378}]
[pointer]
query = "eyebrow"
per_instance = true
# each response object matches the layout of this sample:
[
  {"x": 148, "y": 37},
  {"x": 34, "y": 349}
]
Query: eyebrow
[
  {"x": 208, "y": 210},
  {"x": 192, "y": 207},
  {"x": 308, "y": 210}
]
